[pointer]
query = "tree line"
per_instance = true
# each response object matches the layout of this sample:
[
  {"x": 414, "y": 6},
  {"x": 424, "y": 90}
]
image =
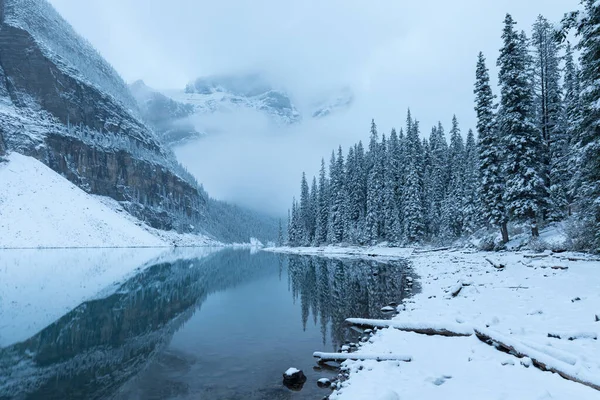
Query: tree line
[{"x": 536, "y": 158}]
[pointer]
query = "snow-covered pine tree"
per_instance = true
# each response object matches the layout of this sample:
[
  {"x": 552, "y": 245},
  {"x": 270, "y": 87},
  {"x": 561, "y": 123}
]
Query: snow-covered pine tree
[
  {"x": 439, "y": 153},
  {"x": 374, "y": 187},
  {"x": 452, "y": 209},
  {"x": 304, "y": 222},
  {"x": 491, "y": 155},
  {"x": 338, "y": 198},
  {"x": 588, "y": 136},
  {"x": 392, "y": 190},
  {"x": 526, "y": 193},
  {"x": 471, "y": 218},
  {"x": 412, "y": 193},
  {"x": 280, "y": 234},
  {"x": 401, "y": 183},
  {"x": 361, "y": 192},
  {"x": 314, "y": 206},
  {"x": 567, "y": 167},
  {"x": 294, "y": 236},
  {"x": 331, "y": 198},
  {"x": 426, "y": 179},
  {"x": 322, "y": 208},
  {"x": 549, "y": 109},
  {"x": 351, "y": 207}
]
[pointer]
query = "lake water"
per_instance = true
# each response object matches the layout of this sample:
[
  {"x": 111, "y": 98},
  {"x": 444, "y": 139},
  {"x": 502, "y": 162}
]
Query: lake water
[{"x": 224, "y": 326}]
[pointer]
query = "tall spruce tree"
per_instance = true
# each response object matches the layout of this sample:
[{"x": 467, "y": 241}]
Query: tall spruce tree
[
  {"x": 470, "y": 198},
  {"x": 525, "y": 188},
  {"x": 322, "y": 207},
  {"x": 588, "y": 136},
  {"x": 567, "y": 167},
  {"x": 412, "y": 193},
  {"x": 374, "y": 187},
  {"x": 452, "y": 211},
  {"x": 439, "y": 154},
  {"x": 392, "y": 189},
  {"x": 549, "y": 109},
  {"x": 491, "y": 154},
  {"x": 305, "y": 210}
]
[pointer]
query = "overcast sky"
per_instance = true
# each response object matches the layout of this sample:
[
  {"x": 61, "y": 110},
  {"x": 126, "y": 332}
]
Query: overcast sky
[{"x": 394, "y": 53}]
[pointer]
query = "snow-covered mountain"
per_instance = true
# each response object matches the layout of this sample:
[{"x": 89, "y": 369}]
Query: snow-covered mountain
[
  {"x": 178, "y": 115},
  {"x": 229, "y": 93},
  {"x": 169, "y": 118},
  {"x": 63, "y": 104},
  {"x": 333, "y": 102}
]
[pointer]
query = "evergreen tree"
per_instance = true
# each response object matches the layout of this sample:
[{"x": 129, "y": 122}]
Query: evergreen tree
[
  {"x": 374, "y": 187},
  {"x": 323, "y": 208},
  {"x": 279, "y": 234},
  {"x": 338, "y": 198},
  {"x": 588, "y": 135},
  {"x": 438, "y": 182},
  {"x": 470, "y": 198},
  {"x": 452, "y": 207},
  {"x": 525, "y": 188},
  {"x": 426, "y": 184},
  {"x": 314, "y": 207},
  {"x": 305, "y": 210},
  {"x": 567, "y": 166},
  {"x": 412, "y": 192},
  {"x": 392, "y": 190},
  {"x": 491, "y": 178},
  {"x": 549, "y": 108}
]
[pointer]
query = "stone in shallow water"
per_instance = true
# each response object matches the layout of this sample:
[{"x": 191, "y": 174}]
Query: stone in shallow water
[
  {"x": 294, "y": 379},
  {"x": 324, "y": 383}
]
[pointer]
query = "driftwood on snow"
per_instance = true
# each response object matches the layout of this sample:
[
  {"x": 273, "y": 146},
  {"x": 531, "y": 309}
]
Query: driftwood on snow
[
  {"x": 339, "y": 357},
  {"x": 539, "y": 359},
  {"x": 573, "y": 335},
  {"x": 430, "y": 330},
  {"x": 536, "y": 255},
  {"x": 431, "y": 250},
  {"x": 497, "y": 266}
]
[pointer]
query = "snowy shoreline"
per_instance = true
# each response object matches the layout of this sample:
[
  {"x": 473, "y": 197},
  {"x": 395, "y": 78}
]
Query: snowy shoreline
[{"x": 535, "y": 295}]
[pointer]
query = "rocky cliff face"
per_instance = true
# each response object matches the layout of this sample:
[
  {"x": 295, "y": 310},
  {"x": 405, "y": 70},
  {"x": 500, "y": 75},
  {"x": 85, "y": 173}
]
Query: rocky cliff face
[{"x": 63, "y": 104}]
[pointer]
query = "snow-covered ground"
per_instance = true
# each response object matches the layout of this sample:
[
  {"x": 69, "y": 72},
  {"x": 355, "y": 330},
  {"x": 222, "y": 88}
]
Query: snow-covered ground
[
  {"x": 39, "y": 286},
  {"x": 524, "y": 302},
  {"x": 41, "y": 209}
]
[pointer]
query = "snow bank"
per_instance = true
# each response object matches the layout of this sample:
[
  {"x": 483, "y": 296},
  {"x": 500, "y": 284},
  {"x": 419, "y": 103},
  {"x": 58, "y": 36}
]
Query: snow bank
[
  {"x": 457, "y": 368},
  {"x": 39, "y": 208}
]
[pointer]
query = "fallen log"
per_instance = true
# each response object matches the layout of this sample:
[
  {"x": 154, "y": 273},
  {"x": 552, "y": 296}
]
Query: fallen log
[
  {"x": 573, "y": 335},
  {"x": 540, "y": 360},
  {"x": 432, "y": 250},
  {"x": 453, "y": 330},
  {"x": 454, "y": 291},
  {"x": 541, "y": 255},
  {"x": 497, "y": 266},
  {"x": 339, "y": 357}
]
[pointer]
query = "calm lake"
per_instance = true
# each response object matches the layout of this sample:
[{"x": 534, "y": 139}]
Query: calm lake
[{"x": 222, "y": 326}]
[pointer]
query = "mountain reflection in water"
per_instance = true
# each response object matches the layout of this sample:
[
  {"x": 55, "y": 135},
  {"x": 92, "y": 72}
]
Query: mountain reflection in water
[{"x": 95, "y": 350}]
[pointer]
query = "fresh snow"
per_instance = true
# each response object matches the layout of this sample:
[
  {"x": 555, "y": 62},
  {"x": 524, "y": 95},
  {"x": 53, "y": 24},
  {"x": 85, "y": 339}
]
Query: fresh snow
[
  {"x": 41, "y": 209},
  {"x": 291, "y": 371},
  {"x": 498, "y": 300}
]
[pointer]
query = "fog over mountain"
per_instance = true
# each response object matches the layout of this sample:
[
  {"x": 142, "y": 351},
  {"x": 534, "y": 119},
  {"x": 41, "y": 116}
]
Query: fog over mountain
[{"x": 384, "y": 56}]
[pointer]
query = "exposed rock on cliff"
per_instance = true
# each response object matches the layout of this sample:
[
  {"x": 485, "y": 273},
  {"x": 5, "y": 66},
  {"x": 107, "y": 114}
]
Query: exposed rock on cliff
[{"x": 63, "y": 104}]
